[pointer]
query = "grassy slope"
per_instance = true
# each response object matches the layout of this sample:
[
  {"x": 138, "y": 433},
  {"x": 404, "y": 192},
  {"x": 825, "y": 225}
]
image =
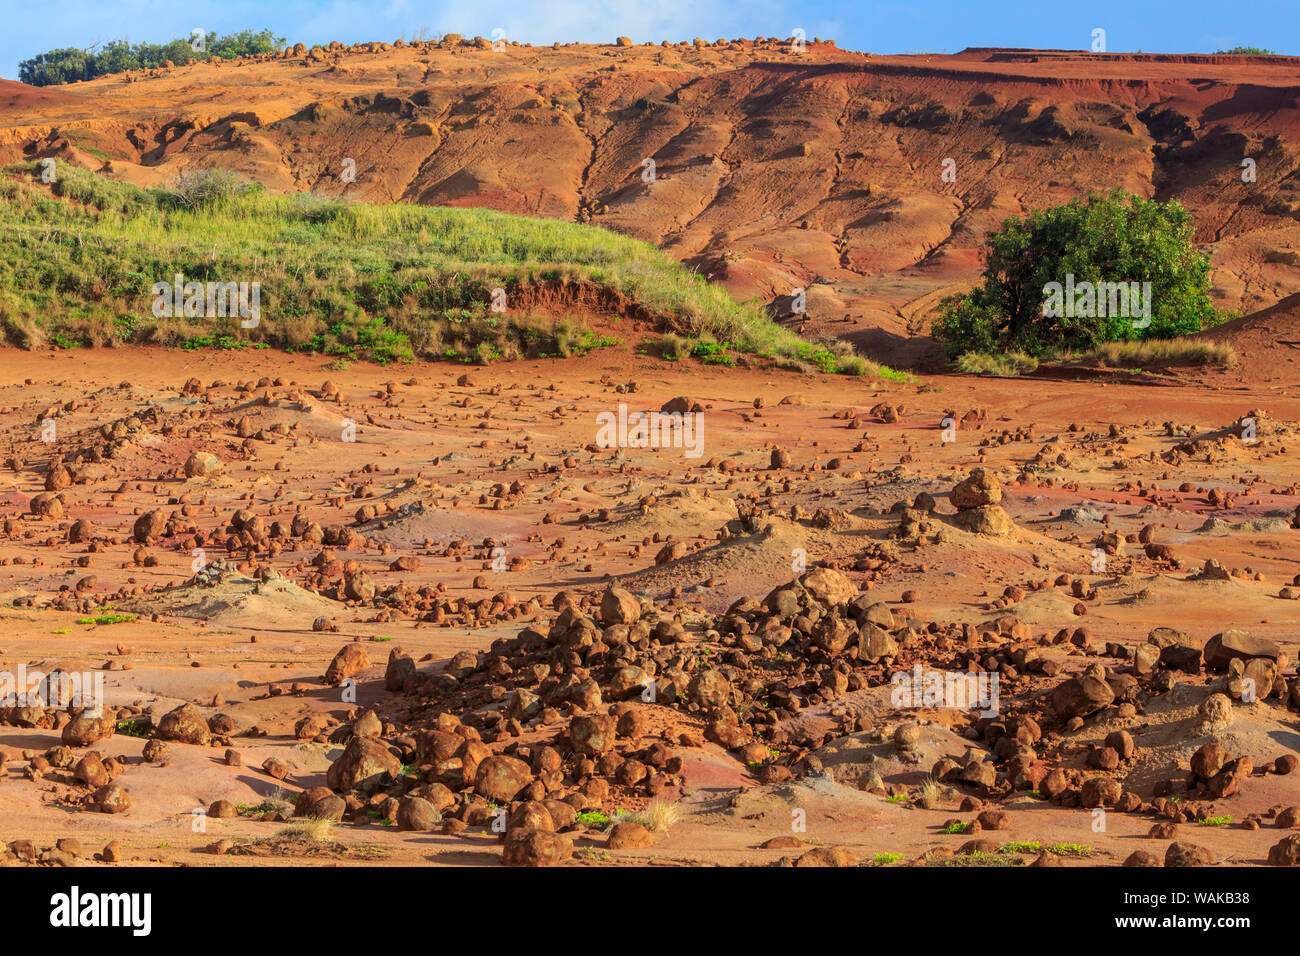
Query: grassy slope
[{"x": 386, "y": 282}]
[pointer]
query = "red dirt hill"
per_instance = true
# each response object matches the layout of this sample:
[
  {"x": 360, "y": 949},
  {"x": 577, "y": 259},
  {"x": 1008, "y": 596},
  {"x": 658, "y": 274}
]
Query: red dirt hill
[
  {"x": 773, "y": 170},
  {"x": 1267, "y": 342}
]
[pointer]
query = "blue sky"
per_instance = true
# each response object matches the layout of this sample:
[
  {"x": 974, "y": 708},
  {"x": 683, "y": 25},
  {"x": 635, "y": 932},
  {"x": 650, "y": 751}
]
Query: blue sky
[{"x": 1194, "y": 26}]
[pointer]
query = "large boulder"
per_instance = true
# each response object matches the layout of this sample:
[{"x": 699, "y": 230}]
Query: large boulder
[
  {"x": 619, "y": 606},
  {"x": 359, "y": 587},
  {"x": 709, "y": 688},
  {"x": 46, "y": 505},
  {"x": 149, "y": 525},
  {"x": 1180, "y": 657},
  {"x": 593, "y": 735},
  {"x": 201, "y": 463},
  {"x": 1163, "y": 637},
  {"x": 91, "y": 771},
  {"x": 1229, "y": 780},
  {"x": 1081, "y": 696},
  {"x": 365, "y": 765},
  {"x": 400, "y": 666},
  {"x": 529, "y": 847},
  {"x": 350, "y": 661},
  {"x": 978, "y": 490},
  {"x": 186, "y": 725},
  {"x": 111, "y": 798},
  {"x": 629, "y": 836},
  {"x": 532, "y": 815},
  {"x": 500, "y": 778},
  {"x": 1286, "y": 852},
  {"x": 1222, "y": 648},
  {"x": 1188, "y": 854},
  {"x": 82, "y": 731},
  {"x": 416, "y": 813},
  {"x": 990, "y": 520},
  {"x": 875, "y": 643},
  {"x": 829, "y": 586}
]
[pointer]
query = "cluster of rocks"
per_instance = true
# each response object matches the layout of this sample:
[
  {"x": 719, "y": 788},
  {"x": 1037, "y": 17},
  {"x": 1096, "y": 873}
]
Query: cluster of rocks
[
  {"x": 66, "y": 851},
  {"x": 739, "y": 679},
  {"x": 90, "y": 777},
  {"x": 977, "y": 500}
]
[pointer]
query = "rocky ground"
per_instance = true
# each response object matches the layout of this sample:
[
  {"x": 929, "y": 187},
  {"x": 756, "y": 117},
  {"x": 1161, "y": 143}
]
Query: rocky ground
[{"x": 417, "y": 614}]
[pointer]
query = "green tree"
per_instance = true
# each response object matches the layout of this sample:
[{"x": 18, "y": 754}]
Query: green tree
[
  {"x": 245, "y": 43},
  {"x": 72, "y": 65},
  {"x": 67, "y": 65},
  {"x": 1111, "y": 268}
]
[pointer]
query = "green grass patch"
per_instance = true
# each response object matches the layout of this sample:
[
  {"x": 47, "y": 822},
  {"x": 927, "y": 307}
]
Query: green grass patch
[
  {"x": 135, "y": 728},
  {"x": 1069, "y": 849},
  {"x": 976, "y": 860},
  {"x": 985, "y": 363},
  {"x": 117, "y": 617},
  {"x": 1145, "y": 352},
  {"x": 1024, "y": 846},
  {"x": 79, "y": 259}
]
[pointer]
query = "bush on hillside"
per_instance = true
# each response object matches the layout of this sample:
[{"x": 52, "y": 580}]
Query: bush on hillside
[{"x": 1111, "y": 268}]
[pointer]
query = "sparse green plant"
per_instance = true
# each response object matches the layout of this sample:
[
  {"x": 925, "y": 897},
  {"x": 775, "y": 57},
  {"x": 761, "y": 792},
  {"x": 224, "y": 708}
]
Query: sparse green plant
[
  {"x": 1024, "y": 846},
  {"x": 983, "y": 363},
  {"x": 659, "y": 815},
  {"x": 1069, "y": 849},
  {"x": 111, "y": 618},
  {"x": 202, "y": 188},
  {"x": 309, "y": 829},
  {"x": 977, "y": 859},
  {"x": 277, "y": 801},
  {"x": 135, "y": 728},
  {"x": 1183, "y": 351}
]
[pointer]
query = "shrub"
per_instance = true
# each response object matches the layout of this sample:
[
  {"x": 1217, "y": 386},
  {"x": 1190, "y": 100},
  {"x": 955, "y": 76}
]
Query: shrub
[
  {"x": 1111, "y": 268},
  {"x": 206, "y": 187}
]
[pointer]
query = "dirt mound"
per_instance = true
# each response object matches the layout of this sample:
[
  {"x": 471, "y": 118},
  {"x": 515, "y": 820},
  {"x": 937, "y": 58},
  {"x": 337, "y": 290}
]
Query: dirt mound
[
  {"x": 223, "y": 596},
  {"x": 19, "y": 99},
  {"x": 1267, "y": 342}
]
